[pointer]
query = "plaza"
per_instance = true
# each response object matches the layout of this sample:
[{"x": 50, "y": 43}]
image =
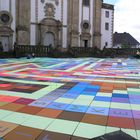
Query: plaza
[{"x": 68, "y": 99}]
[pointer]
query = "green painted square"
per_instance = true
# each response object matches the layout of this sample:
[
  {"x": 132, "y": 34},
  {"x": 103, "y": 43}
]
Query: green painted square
[
  {"x": 63, "y": 126},
  {"x": 89, "y": 131},
  {"x": 138, "y": 134},
  {"x": 64, "y": 100},
  {"x": 82, "y": 102},
  {"x": 85, "y": 97},
  {"x": 120, "y": 105},
  {"x": 111, "y": 129},
  {"x": 17, "y": 118},
  {"x": 38, "y": 122},
  {"x": 133, "y": 89},
  {"x": 100, "y": 104},
  {"x": 130, "y": 132},
  {"x": 103, "y": 94},
  {"x": 120, "y": 91},
  {"x": 135, "y": 107},
  {"x": 119, "y": 81},
  {"x": 134, "y": 92},
  {"x": 4, "y": 113}
]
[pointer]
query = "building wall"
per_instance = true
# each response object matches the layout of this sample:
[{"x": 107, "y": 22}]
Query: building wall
[
  {"x": 29, "y": 17},
  {"x": 107, "y": 35}
]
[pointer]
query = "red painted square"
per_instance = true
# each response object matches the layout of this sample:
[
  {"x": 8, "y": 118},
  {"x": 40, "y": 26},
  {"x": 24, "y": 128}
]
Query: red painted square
[
  {"x": 8, "y": 99},
  {"x": 121, "y": 122},
  {"x": 24, "y": 101},
  {"x": 137, "y": 123},
  {"x": 5, "y": 85}
]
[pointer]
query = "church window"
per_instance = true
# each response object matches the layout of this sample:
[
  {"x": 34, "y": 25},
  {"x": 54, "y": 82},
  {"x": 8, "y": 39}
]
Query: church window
[
  {"x": 86, "y": 2},
  {"x": 106, "y": 26},
  {"x": 107, "y": 14}
]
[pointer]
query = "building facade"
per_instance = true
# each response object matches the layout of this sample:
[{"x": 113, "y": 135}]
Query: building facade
[{"x": 57, "y": 23}]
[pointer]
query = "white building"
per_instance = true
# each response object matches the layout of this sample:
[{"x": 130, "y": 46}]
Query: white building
[
  {"x": 60, "y": 23},
  {"x": 107, "y": 25}
]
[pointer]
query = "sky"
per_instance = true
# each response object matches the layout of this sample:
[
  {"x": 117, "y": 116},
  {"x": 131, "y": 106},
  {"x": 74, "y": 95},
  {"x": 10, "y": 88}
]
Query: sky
[{"x": 126, "y": 16}]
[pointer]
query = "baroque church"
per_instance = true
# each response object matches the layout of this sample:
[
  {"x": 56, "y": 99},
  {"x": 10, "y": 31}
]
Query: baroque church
[{"x": 57, "y": 23}]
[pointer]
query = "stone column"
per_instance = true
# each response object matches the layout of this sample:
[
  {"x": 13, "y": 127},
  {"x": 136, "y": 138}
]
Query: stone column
[
  {"x": 23, "y": 22},
  {"x": 73, "y": 22},
  {"x": 97, "y": 23}
]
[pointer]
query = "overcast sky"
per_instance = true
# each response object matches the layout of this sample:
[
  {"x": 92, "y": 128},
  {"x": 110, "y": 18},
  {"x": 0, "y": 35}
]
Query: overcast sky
[{"x": 127, "y": 16}]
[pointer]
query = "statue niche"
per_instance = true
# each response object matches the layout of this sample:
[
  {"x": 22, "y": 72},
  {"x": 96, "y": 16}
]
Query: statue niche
[{"x": 49, "y": 10}]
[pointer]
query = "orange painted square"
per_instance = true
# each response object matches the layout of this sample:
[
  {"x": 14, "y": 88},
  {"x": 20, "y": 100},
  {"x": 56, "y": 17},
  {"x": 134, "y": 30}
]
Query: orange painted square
[
  {"x": 12, "y": 107},
  {"x": 52, "y": 113},
  {"x": 95, "y": 119},
  {"x": 30, "y": 110}
]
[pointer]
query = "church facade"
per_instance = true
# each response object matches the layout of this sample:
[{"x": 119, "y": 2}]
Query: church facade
[{"x": 57, "y": 23}]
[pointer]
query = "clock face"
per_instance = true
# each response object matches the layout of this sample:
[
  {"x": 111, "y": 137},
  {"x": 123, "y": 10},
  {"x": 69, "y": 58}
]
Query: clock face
[
  {"x": 5, "y": 18},
  {"x": 85, "y": 25}
]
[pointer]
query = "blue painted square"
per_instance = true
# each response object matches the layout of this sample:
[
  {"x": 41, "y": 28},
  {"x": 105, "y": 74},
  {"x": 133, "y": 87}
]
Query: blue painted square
[
  {"x": 105, "y": 99},
  {"x": 73, "y": 92},
  {"x": 94, "y": 87},
  {"x": 71, "y": 96},
  {"x": 98, "y": 111},
  {"x": 77, "y": 108},
  {"x": 91, "y": 90},
  {"x": 59, "y": 106},
  {"x": 120, "y": 95},
  {"x": 89, "y": 93},
  {"x": 134, "y": 101}
]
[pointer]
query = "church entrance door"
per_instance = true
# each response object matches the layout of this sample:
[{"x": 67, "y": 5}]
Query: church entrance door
[
  {"x": 85, "y": 43},
  {"x": 49, "y": 39}
]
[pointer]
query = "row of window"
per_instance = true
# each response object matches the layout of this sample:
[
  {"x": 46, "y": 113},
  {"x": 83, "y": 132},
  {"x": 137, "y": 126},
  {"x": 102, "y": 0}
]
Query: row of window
[{"x": 87, "y": 3}]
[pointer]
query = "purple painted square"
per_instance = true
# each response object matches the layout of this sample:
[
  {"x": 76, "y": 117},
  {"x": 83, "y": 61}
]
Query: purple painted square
[
  {"x": 98, "y": 111},
  {"x": 56, "y": 105},
  {"x": 120, "y": 100},
  {"x": 134, "y": 96},
  {"x": 136, "y": 114},
  {"x": 39, "y": 103},
  {"x": 120, "y": 113},
  {"x": 77, "y": 108}
]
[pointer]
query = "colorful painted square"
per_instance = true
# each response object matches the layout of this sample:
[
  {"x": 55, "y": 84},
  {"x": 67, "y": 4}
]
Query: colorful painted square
[{"x": 70, "y": 99}]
